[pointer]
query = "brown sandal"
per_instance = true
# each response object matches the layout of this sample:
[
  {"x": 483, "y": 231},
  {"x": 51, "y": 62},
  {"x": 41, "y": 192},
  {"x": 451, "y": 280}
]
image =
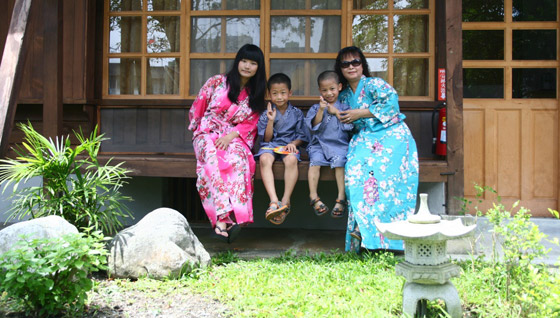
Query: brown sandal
[
  {"x": 281, "y": 217},
  {"x": 337, "y": 212},
  {"x": 321, "y": 210},
  {"x": 272, "y": 212}
]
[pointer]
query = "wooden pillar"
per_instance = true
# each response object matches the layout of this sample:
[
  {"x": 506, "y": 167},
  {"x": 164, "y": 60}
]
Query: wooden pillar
[
  {"x": 454, "y": 83},
  {"x": 52, "y": 68},
  {"x": 11, "y": 68}
]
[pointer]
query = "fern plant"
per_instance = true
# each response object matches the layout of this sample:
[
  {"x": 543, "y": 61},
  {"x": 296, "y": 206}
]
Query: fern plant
[{"x": 74, "y": 184}]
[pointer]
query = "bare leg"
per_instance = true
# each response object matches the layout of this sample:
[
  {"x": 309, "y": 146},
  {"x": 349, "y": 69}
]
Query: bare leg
[
  {"x": 338, "y": 209},
  {"x": 313, "y": 175},
  {"x": 266, "y": 160},
  {"x": 290, "y": 177}
]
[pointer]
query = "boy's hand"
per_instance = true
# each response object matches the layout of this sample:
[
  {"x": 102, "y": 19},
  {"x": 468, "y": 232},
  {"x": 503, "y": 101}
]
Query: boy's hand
[
  {"x": 333, "y": 111},
  {"x": 291, "y": 148},
  {"x": 270, "y": 112},
  {"x": 322, "y": 103}
]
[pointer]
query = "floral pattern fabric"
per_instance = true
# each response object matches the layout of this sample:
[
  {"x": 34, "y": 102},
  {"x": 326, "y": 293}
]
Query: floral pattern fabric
[
  {"x": 381, "y": 175},
  {"x": 225, "y": 177}
]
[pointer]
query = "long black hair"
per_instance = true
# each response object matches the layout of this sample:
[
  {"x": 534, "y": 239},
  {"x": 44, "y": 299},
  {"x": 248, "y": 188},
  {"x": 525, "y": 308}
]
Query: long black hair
[
  {"x": 256, "y": 85},
  {"x": 352, "y": 51}
]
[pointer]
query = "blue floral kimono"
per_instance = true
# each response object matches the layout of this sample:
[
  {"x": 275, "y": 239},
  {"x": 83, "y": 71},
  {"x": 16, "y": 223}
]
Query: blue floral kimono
[{"x": 381, "y": 175}]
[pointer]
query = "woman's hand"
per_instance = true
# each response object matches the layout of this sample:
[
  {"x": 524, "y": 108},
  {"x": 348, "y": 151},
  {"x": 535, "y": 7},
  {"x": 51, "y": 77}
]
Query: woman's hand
[
  {"x": 222, "y": 143},
  {"x": 351, "y": 115},
  {"x": 270, "y": 112}
]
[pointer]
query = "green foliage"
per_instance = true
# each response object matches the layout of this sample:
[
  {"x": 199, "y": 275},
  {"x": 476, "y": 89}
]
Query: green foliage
[
  {"x": 74, "y": 185},
  {"x": 520, "y": 284},
  {"x": 50, "y": 276}
]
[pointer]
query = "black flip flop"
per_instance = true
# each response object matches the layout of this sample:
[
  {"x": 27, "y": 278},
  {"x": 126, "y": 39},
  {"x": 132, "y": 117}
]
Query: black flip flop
[
  {"x": 233, "y": 233},
  {"x": 218, "y": 236}
]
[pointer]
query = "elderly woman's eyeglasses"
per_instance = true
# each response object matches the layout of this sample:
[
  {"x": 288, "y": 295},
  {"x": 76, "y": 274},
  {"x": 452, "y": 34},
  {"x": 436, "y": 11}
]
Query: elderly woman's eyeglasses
[{"x": 354, "y": 62}]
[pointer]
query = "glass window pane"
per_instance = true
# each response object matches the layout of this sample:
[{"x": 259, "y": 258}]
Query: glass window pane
[
  {"x": 202, "y": 70},
  {"x": 378, "y": 67},
  {"x": 483, "y": 45},
  {"x": 534, "y": 83},
  {"x": 303, "y": 74},
  {"x": 529, "y": 10},
  {"x": 483, "y": 83},
  {"x": 240, "y": 31},
  {"x": 411, "y": 33},
  {"x": 410, "y": 76},
  {"x": 534, "y": 44},
  {"x": 225, "y": 4},
  {"x": 371, "y": 4},
  {"x": 288, "y": 34},
  {"x": 125, "y": 5},
  {"x": 163, "y": 76},
  {"x": 369, "y": 32},
  {"x": 412, "y": 4},
  {"x": 206, "y": 33},
  {"x": 125, "y": 34},
  {"x": 483, "y": 10},
  {"x": 164, "y": 5},
  {"x": 325, "y": 4},
  {"x": 164, "y": 34},
  {"x": 302, "y": 4},
  {"x": 124, "y": 76}
]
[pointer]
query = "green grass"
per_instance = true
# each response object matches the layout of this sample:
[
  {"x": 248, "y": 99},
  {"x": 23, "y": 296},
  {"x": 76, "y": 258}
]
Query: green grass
[
  {"x": 337, "y": 285},
  {"x": 342, "y": 285}
]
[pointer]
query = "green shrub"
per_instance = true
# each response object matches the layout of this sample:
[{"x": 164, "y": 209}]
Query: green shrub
[
  {"x": 74, "y": 185},
  {"x": 514, "y": 273},
  {"x": 50, "y": 276}
]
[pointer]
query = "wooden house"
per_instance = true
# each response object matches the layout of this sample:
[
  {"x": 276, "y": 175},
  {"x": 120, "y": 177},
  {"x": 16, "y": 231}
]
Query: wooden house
[{"x": 133, "y": 67}]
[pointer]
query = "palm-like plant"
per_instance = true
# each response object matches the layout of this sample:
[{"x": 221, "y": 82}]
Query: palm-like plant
[{"x": 74, "y": 185}]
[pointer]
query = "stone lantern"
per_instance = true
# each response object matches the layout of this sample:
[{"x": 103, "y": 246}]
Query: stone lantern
[{"x": 426, "y": 266}]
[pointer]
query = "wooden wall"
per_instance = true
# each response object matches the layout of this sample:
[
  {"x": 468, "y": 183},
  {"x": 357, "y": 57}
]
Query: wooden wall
[
  {"x": 78, "y": 51},
  {"x": 78, "y": 66}
]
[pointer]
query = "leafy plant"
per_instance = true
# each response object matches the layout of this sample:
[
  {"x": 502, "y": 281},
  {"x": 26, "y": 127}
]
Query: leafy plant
[
  {"x": 74, "y": 185},
  {"x": 50, "y": 276},
  {"x": 514, "y": 272}
]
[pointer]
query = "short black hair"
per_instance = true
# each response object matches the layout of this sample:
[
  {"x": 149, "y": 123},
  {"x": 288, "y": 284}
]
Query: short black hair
[
  {"x": 326, "y": 75},
  {"x": 279, "y": 78}
]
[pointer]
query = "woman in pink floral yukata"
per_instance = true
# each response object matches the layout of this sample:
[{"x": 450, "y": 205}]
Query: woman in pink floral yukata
[{"x": 224, "y": 120}]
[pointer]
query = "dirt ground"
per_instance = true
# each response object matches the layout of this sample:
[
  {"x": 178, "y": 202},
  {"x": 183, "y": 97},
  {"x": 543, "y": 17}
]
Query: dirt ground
[{"x": 111, "y": 301}]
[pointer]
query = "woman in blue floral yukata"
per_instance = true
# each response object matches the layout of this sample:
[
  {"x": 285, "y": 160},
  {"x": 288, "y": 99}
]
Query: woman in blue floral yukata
[{"x": 381, "y": 174}]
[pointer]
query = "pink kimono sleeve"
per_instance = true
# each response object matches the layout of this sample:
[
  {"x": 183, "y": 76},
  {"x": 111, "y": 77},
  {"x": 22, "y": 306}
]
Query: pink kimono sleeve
[
  {"x": 201, "y": 102},
  {"x": 247, "y": 129}
]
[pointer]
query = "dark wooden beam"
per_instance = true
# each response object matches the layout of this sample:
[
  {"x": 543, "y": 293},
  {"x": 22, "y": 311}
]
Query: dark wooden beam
[
  {"x": 52, "y": 68},
  {"x": 454, "y": 83},
  {"x": 184, "y": 166},
  {"x": 11, "y": 68}
]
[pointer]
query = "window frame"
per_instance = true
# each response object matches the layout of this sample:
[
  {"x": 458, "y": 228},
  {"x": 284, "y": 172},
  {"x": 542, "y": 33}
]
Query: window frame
[
  {"x": 508, "y": 25},
  {"x": 346, "y": 13}
]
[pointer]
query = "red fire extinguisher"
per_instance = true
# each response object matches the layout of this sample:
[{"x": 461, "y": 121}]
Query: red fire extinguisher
[{"x": 439, "y": 135}]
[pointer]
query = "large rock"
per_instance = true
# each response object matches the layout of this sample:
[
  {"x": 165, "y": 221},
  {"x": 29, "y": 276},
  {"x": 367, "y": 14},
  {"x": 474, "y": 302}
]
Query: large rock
[
  {"x": 161, "y": 245},
  {"x": 46, "y": 227}
]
